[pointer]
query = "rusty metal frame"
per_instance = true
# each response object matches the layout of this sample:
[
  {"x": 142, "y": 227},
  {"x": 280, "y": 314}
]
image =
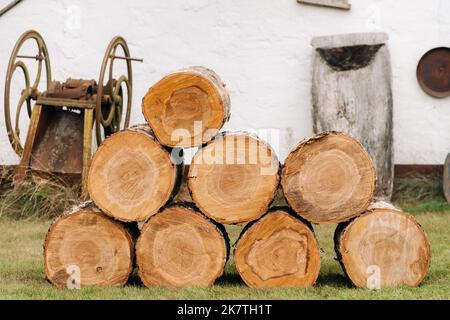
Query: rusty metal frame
[{"x": 110, "y": 95}]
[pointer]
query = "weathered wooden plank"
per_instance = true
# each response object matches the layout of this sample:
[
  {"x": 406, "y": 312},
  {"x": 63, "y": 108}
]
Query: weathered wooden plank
[
  {"x": 339, "y": 4},
  {"x": 352, "y": 93},
  {"x": 446, "y": 181}
]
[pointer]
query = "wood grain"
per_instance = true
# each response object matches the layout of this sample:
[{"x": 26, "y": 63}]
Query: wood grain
[
  {"x": 84, "y": 237},
  {"x": 278, "y": 250},
  {"x": 329, "y": 178},
  {"x": 179, "y": 247},
  {"x": 187, "y": 108},
  {"x": 234, "y": 178},
  {"x": 385, "y": 238},
  {"x": 132, "y": 176}
]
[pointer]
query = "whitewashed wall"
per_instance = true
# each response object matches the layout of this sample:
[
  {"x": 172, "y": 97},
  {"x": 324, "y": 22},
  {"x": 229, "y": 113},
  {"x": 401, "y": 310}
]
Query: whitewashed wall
[{"x": 260, "y": 48}]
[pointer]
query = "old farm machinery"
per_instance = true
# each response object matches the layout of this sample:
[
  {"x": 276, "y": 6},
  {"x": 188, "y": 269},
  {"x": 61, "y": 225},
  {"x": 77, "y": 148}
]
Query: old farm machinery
[{"x": 63, "y": 116}]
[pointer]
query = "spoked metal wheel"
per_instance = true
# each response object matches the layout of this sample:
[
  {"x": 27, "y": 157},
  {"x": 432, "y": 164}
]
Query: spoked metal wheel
[
  {"x": 110, "y": 108},
  {"x": 30, "y": 90}
]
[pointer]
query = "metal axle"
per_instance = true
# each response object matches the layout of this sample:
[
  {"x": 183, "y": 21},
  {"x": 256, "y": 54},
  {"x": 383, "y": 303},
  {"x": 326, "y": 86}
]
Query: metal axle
[
  {"x": 36, "y": 57},
  {"x": 126, "y": 58}
]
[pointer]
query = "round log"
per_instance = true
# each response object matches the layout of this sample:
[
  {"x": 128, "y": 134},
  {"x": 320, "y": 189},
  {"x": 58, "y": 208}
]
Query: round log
[
  {"x": 382, "y": 248},
  {"x": 329, "y": 178},
  {"x": 234, "y": 178},
  {"x": 278, "y": 250},
  {"x": 132, "y": 176},
  {"x": 85, "y": 241},
  {"x": 187, "y": 108},
  {"x": 179, "y": 247}
]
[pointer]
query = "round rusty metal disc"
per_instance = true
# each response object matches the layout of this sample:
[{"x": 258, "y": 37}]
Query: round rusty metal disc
[{"x": 433, "y": 72}]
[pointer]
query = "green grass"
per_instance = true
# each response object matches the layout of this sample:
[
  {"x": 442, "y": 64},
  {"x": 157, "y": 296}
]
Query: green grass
[
  {"x": 22, "y": 275},
  {"x": 21, "y": 261}
]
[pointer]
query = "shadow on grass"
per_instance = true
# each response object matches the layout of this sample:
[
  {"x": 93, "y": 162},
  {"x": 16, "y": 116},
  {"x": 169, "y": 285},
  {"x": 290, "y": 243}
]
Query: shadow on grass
[
  {"x": 134, "y": 280},
  {"x": 333, "y": 280},
  {"x": 228, "y": 279}
]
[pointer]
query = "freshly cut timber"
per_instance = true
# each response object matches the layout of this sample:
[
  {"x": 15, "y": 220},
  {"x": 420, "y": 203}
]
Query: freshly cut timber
[
  {"x": 234, "y": 178},
  {"x": 84, "y": 247},
  {"x": 179, "y": 247},
  {"x": 187, "y": 108},
  {"x": 329, "y": 178},
  {"x": 382, "y": 248},
  {"x": 279, "y": 250},
  {"x": 352, "y": 93},
  {"x": 132, "y": 176}
]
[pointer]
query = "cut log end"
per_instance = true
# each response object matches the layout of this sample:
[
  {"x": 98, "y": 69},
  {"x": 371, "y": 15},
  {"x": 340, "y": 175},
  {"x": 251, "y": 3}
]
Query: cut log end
[
  {"x": 88, "y": 244},
  {"x": 132, "y": 176},
  {"x": 278, "y": 251},
  {"x": 329, "y": 178},
  {"x": 187, "y": 108},
  {"x": 179, "y": 247},
  {"x": 234, "y": 178},
  {"x": 383, "y": 248}
]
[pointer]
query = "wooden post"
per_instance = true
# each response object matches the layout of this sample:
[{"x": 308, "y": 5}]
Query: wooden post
[
  {"x": 446, "y": 181},
  {"x": 87, "y": 150},
  {"x": 352, "y": 93},
  {"x": 21, "y": 170}
]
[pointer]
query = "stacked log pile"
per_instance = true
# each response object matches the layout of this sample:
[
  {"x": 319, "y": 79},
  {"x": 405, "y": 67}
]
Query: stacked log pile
[
  {"x": 329, "y": 178},
  {"x": 233, "y": 179},
  {"x": 134, "y": 176}
]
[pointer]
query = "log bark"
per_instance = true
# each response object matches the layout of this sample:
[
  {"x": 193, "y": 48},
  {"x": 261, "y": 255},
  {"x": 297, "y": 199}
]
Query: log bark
[
  {"x": 352, "y": 93},
  {"x": 132, "y": 176},
  {"x": 84, "y": 237},
  {"x": 278, "y": 250},
  {"x": 384, "y": 247},
  {"x": 446, "y": 180},
  {"x": 329, "y": 178},
  {"x": 187, "y": 108},
  {"x": 179, "y": 247},
  {"x": 234, "y": 178}
]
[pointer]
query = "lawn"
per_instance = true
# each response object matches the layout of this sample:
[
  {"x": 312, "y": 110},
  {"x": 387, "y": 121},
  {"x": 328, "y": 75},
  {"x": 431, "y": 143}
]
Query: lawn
[
  {"x": 26, "y": 214},
  {"x": 22, "y": 275}
]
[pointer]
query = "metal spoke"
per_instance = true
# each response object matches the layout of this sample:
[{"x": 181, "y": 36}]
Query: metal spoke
[{"x": 41, "y": 57}]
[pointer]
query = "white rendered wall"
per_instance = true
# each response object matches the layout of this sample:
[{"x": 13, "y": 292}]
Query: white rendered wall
[{"x": 260, "y": 48}]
